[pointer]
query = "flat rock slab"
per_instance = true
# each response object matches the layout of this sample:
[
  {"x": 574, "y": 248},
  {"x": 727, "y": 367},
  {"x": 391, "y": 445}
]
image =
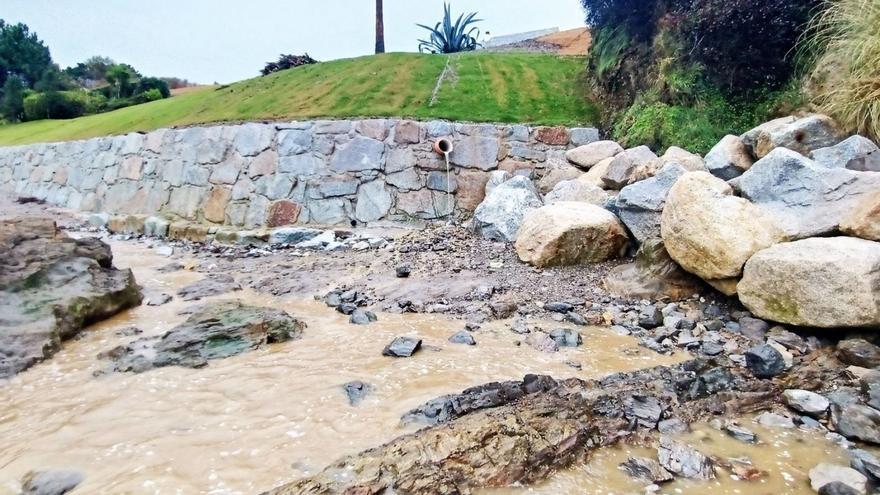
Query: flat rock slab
[
  {"x": 50, "y": 287},
  {"x": 402, "y": 347},
  {"x": 213, "y": 331}
]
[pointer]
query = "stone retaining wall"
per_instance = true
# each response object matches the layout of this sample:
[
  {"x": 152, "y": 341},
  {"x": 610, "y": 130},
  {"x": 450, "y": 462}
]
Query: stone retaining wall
[{"x": 271, "y": 174}]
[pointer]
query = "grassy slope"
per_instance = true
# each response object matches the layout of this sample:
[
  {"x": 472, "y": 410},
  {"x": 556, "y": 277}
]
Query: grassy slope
[{"x": 541, "y": 89}]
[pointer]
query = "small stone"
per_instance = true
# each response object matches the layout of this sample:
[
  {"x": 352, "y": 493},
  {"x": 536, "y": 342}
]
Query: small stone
[
  {"x": 672, "y": 426},
  {"x": 156, "y": 298},
  {"x": 347, "y": 308},
  {"x": 402, "y": 271},
  {"x": 650, "y": 317},
  {"x": 356, "y": 391},
  {"x": 558, "y": 307},
  {"x": 826, "y": 473},
  {"x": 838, "y": 488},
  {"x": 859, "y": 352},
  {"x": 402, "y": 347},
  {"x": 542, "y": 342},
  {"x": 643, "y": 409},
  {"x": 764, "y": 361},
  {"x": 361, "y": 317},
  {"x": 646, "y": 469},
  {"x": 806, "y": 402},
  {"x": 50, "y": 482},
  {"x": 773, "y": 420},
  {"x": 740, "y": 433},
  {"x": 685, "y": 461},
  {"x": 463, "y": 337},
  {"x": 566, "y": 337},
  {"x": 865, "y": 463},
  {"x": 857, "y": 422},
  {"x": 576, "y": 319}
]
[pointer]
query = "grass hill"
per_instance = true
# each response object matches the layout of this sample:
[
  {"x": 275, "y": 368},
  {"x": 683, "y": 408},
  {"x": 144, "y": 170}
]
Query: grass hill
[{"x": 482, "y": 87}]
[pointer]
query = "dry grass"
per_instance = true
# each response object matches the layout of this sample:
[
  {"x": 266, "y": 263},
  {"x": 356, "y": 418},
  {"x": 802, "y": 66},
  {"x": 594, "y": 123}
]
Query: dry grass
[{"x": 846, "y": 35}]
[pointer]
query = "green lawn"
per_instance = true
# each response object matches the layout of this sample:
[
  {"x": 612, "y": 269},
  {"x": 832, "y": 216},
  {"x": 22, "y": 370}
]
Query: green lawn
[{"x": 485, "y": 87}]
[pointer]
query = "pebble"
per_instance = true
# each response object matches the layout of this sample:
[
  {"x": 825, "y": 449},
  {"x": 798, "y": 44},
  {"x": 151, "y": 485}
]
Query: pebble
[{"x": 463, "y": 337}]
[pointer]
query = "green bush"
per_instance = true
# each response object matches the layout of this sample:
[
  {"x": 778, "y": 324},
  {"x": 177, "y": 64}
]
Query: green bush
[{"x": 62, "y": 105}]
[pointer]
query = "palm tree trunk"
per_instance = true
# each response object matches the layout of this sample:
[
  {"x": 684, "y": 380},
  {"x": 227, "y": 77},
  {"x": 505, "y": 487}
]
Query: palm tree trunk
[{"x": 380, "y": 28}]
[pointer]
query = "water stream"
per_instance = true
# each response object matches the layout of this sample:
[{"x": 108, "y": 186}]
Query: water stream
[{"x": 247, "y": 423}]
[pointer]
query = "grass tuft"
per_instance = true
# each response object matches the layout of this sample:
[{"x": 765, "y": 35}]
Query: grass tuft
[{"x": 844, "y": 39}]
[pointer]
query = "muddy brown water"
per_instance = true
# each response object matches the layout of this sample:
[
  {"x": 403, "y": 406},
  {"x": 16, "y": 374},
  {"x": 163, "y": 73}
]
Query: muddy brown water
[{"x": 250, "y": 422}]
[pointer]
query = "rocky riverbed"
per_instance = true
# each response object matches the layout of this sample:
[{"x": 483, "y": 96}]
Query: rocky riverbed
[{"x": 650, "y": 316}]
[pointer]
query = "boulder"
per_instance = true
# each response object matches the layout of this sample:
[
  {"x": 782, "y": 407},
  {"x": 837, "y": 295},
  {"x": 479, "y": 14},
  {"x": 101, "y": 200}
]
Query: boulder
[
  {"x": 710, "y": 232},
  {"x": 573, "y": 190},
  {"x": 556, "y": 175},
  {"x": 729, "y": 158},
  {"x": 500, "y": 215},
  {"x": 569, "y": 233},
  {"x": 805, "y": 198},
  {"x": 495, "y": 179},
  {"x": 802, "y": 135},
  {"x": 630, "y": 166},
  {"x": 214, "y": 331},
  {"x": 652, "y": 275},
  {"x": 854, "y": 153},
  {"x": 689, "y": 161},
  {"x": 583, "y": 135},
  {"x": 824, "y": 474},
  {"x": 566, "y": 337},
  {"x": 51, "y": 286},
  {"x": 640, "y": 205},
  {"x": 542, "y": 342},
  {"x": 594, "y": 176},
  {"x": 864, "y": 220},
  {"x": 214, "y": 284},
  {"x": 590, "y": 154},
  {"x": 819, "y": 282}
]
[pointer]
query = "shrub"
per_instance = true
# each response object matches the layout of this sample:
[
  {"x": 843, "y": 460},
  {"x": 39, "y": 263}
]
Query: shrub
[
  {"x": 845, "y": 39},
  {"x": 287, "y": 62},
  {"x": 12, "y": 101},
  {"x": 61, "y": 105},
  {"x": 449, "y": 37},
  {"x": 148, "y": 96},
  {"x": 150, "y": 83}
]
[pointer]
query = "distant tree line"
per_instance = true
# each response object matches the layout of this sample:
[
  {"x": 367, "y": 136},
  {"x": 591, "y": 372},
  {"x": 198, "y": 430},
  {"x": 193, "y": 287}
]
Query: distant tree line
[{"x": 33, "y": 87}]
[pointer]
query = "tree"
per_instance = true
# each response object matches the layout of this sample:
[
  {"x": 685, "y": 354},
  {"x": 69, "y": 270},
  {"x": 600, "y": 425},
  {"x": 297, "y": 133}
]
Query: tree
[
  {"x": 92, "y": 72},
  {"x": 12, "y": 102},
  {"x": 22, "y": 54},
  {"x": 121, "y": 76},
  {"x": 380, "y": 28}
]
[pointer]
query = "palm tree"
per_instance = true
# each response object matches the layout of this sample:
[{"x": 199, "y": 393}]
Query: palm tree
[{"x": 380, "y": 28}]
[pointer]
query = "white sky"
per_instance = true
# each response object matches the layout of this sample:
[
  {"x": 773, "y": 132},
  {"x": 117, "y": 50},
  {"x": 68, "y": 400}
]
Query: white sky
[{"x": 228, "y": 40}]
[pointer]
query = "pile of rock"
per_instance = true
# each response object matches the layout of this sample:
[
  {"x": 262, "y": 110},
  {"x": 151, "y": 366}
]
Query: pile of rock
[{"x": 786, "y": 216}]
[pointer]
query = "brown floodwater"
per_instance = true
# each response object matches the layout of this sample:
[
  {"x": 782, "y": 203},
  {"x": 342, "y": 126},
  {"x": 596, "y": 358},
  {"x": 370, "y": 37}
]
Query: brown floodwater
[
  {"x": 250, "y": 422},
  {"x": 785, "y": 455}
]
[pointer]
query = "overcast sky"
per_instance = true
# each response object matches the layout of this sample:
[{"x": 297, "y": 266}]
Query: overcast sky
[{"x": 228, "y": 40}]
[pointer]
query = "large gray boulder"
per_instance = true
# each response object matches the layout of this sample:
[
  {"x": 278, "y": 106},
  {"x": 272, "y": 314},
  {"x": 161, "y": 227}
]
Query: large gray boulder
[
  {"x": 630, "y": 166},
  {"x": 588, "y": 155},
  {"x": 729, "y": 158},
  {"x": 500, "y": 215},
  {"x": 640, "y": 205},
  {"x": 804, "y": 198},
  {"x": 819, "y": 282},
  {"x": 799, "y": 134},
  {"x": 689, "y": 161},
  {"x": 709, "y": 231},
  {"x": 569, "y": 233},
  {"x": 855, "y": 153}
]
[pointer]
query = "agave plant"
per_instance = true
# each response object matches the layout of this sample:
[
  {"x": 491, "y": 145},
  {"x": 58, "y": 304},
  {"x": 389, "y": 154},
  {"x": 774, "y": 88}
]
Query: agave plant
[{"x": 449, "y": 37}]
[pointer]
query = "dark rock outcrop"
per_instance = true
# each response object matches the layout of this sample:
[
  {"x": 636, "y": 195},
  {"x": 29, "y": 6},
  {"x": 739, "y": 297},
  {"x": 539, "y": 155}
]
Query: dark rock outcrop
[
  {"x": 214, "y": 331},
  {"x": 51, "y": 286}
]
